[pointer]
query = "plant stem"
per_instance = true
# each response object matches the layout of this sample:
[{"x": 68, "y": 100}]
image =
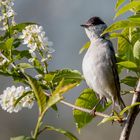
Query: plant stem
[
  {"x": 37, "y": 128},
  {"x": 125, "y": 134},
  {"x": 40, "y": 118}
]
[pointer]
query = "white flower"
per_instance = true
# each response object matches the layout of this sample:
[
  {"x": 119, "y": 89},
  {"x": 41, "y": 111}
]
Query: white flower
[
  {"x": 31, "y": 60},
  {"x": 44, "y": 82},
  {"x": 38, "y": 76},
  {"x": 11, "y": 94},
  {"x": 35, "y": 38},
  {"x": 7, "y": 13}
]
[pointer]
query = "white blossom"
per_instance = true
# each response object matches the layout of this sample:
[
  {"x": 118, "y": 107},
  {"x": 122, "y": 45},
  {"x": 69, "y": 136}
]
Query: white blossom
[
  {"x": 11, "y": 94},
  {"x": 7, "y": 14},
  {"x": 38, "y": 76},
  {"x": 31, "y": 60},
  {"x": 35, "y": 38}
]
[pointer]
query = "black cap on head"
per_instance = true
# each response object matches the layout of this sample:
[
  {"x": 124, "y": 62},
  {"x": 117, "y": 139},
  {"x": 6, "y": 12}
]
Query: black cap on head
[{"x": 93, "y": 22}]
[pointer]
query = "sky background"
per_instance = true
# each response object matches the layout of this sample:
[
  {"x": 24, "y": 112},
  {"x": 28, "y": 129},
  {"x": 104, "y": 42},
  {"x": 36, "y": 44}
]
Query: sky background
[{"x": 61, "y": 20}]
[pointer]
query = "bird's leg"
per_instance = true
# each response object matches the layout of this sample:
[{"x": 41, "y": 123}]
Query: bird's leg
[
  {"x": 113, "y": 107},
  {"x": 94, "y": 108}
]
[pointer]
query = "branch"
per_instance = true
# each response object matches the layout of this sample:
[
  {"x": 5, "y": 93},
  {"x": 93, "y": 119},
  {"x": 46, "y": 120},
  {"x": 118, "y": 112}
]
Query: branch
[
  {"x": 81, "y": 108},
  {"x": 85, "y": 110},
  {"x": 131, "y": 115}
]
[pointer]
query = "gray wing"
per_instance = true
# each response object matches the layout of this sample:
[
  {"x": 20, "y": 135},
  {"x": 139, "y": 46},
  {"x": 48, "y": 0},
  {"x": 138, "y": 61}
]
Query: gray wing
[{"x": 113, "y": 64}]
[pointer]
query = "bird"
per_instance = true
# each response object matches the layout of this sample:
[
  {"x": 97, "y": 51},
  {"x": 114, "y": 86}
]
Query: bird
[{"x": 99, "y": 64}]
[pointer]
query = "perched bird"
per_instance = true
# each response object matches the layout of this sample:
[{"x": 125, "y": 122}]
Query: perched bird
[{"x": 99, "y": 63}]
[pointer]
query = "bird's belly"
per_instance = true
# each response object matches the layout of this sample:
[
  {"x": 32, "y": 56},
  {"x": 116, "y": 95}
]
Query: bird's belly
[{"x": 97, "y": 73}]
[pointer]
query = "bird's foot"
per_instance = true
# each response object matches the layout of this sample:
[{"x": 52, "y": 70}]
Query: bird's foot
[{"x": 117, "y": 118}]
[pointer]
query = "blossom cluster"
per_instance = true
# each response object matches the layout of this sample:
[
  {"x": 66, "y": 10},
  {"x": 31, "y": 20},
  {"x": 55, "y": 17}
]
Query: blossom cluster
[
  {"x": 6, "y": 14},
  {"x": 10, "y": 96},
  {"x": 35, "y": 38}
]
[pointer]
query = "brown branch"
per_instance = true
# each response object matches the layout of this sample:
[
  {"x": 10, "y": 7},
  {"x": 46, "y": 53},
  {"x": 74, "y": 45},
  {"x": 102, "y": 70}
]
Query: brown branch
[{"x": 125, "y": 134}]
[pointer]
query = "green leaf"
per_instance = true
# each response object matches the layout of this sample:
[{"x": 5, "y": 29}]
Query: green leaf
[
  {"x": 25, "y": 66},
  {"x": 21, "y": 54},
  {"x": 69, "y": 76},
  {"x": 21, "y": 138},
  {"x": 128, "y": 65},
  {"x": 85, "y": 47},
  {"x": 49, "y": 77},
  {"x": 129, "y": 107},
  {"x": 38, "y": 92},
  {"x": 9, "y": 43},
  {"x": 136, "y": 51},
  {"x": 119, "y": 3},
  {"x": 53, "y": 99},
  {"x": 116, "y": 35},
  {"x": 130, "y": 81},
  {"x": 56, "y": 96},
  {"x": 121, "y": 25},
  {"x": 62, "y": 88},
  {"x": 88, "y": 100},
  {"x": 2, "y": 46},
  {"x": 54, "y": 107},
  {"x": 127, "y": 7},
  {"x": 64, "y": 132},
  {"x": 135, "y": 18},
  {"x": 16, "y": 43},
  {"x": 111, "y": 118},
  {"x": 125, "y": 46}
]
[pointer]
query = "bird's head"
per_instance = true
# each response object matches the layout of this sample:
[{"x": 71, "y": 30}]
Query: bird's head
[{"x": 94, "y": 27}]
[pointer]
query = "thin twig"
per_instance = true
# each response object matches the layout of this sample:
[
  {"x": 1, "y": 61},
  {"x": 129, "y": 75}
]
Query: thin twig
[
  {"x": 125, "y": 134},
  {"x": 81, "y": 108},
  {"x": 85, "y": 110}
]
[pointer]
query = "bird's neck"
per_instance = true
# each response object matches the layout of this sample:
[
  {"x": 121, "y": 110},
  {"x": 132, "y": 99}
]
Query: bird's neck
[{"x": 96, "y": 37}]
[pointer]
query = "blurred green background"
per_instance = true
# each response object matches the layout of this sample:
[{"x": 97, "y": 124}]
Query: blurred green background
[{"x": 61, "y": 20}]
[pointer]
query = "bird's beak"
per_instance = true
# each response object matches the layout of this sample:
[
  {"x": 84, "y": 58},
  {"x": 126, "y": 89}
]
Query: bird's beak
[{"x": 85, "y": 25}]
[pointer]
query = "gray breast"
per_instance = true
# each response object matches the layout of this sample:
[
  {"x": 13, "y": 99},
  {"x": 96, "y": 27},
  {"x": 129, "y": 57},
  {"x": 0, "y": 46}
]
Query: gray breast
[{"x": 96, "y": 68}]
